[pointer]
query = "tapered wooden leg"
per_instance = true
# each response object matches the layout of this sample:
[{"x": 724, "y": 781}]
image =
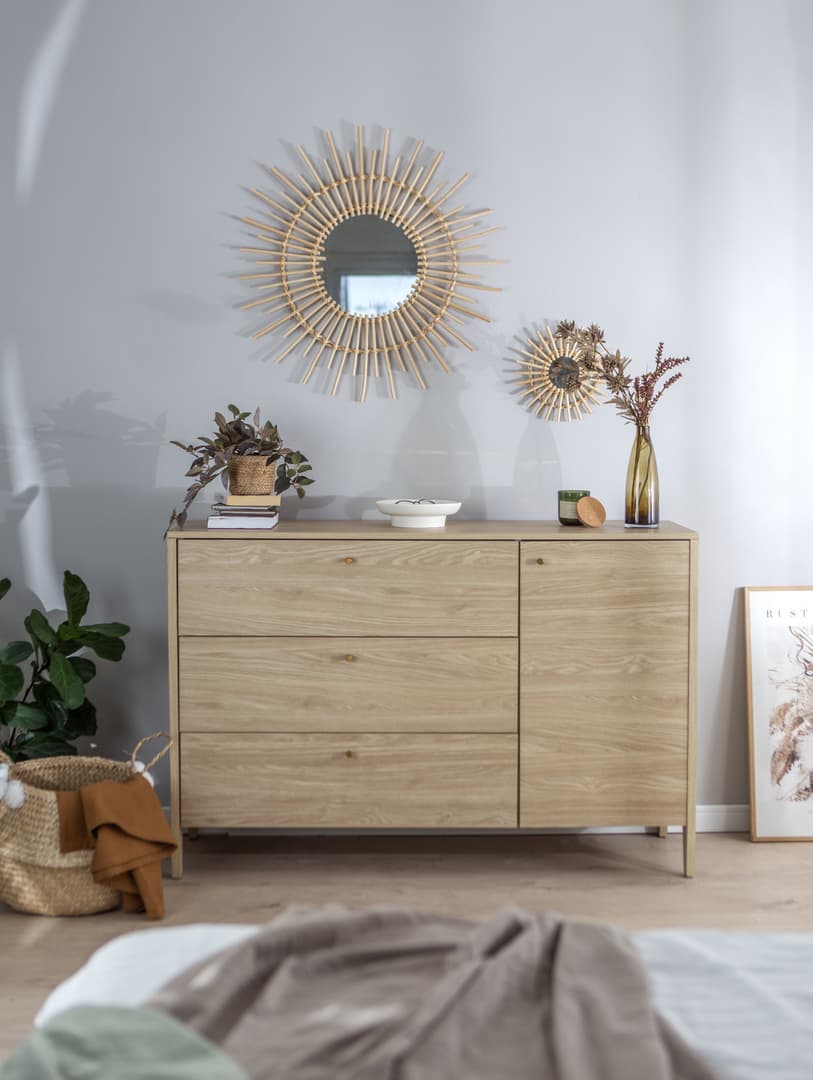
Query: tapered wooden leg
[
  {"x": 688, "y": 850},
  {"x": 177, "y": 860},
  {"x": 663, "y": 831}
]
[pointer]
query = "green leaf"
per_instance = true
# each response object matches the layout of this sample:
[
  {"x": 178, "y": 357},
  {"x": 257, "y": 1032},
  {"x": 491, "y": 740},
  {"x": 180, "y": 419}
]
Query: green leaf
[
  {"x": 77, "y": 597},
  {"x": 81, "y": 721},
  {"x": 83, "y": 667},
  {"x": 67, "y": 631},
  {"x": 46, "y": 744},
  {"x": 108, "y": 648},
  {"x": 27, "y": 717},
  {"x": 14, "y": 751},
  {"x": 41, "y": 629},
  {"x": 70, "y": 687},
  {"x": 305, "y": 468},
  {"x": 45, "y": 694},
  {"x": 296, "y": 458},
  {"x": 304, "y": 480},
  {"x": 15, "y": 652},
  {"x": 5, "y": 585},
  {"x": 234, "y": 410},
  {"x": 108, "y": 629},
  {"x": 58, "y": 714},
  {"x": 11, "y": 682},
  {"x": 68, "y": 648}
]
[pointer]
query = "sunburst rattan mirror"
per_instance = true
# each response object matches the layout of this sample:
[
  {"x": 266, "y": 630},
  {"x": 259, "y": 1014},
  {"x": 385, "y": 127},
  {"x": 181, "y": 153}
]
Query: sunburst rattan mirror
[
  {"x": 317, "y": 236},
  {"x": 551, "y": 378}
]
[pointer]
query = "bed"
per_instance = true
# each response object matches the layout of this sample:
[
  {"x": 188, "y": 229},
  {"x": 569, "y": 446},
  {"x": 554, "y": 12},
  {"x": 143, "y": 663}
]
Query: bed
[{"x": 743, "y": 1001}]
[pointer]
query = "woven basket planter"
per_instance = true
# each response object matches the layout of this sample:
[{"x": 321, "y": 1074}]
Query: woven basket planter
[
  {"x": 35, "y": 877},
  {"x": 249, "y": 475}
]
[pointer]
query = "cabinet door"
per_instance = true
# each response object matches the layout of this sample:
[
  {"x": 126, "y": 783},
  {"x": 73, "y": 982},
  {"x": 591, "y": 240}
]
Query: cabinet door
[{"x": 604, "y": 674}]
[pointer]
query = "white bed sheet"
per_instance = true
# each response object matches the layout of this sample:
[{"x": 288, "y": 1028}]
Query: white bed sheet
[{"x": 743, "y": 1000}]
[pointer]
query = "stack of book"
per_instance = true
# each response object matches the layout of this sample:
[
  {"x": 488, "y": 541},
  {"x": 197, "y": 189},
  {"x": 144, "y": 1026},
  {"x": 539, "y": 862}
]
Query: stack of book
[{"x": 245, "y": 512}]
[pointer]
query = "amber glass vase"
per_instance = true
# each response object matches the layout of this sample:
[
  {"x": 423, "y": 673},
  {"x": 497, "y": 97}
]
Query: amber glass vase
[{"x": 641, "y": 502}]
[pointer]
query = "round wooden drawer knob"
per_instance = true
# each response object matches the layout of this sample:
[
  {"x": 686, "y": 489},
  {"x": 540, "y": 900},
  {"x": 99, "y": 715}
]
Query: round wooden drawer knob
[
  {"x": 349, "y": 560},
  {"x": 350, "y": 658},
  {"x": 541, "y": 562},
  {"x": 348, "y": 753}
]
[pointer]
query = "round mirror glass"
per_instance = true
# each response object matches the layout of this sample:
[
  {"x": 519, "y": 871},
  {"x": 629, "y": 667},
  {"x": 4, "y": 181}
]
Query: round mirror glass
[
  {"x": 565, "y": 373},
  {"x": 370, "y": 265}
]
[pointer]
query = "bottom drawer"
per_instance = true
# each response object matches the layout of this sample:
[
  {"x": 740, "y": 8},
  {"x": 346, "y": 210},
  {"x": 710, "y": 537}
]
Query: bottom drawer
[{"x": 351, "y": 781}]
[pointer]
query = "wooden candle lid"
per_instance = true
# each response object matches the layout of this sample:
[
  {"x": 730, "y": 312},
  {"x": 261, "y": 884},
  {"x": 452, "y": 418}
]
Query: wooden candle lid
[{"x": 590, "y": 512}]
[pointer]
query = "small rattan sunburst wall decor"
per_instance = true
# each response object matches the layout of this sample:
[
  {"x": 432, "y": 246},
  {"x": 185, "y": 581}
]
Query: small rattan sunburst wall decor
[
  {"x": 552, "y": 380},
  {"x": 294, "y": 228}
]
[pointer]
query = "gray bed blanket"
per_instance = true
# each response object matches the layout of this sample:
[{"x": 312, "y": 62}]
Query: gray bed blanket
[{"x": 391, "y": 994}]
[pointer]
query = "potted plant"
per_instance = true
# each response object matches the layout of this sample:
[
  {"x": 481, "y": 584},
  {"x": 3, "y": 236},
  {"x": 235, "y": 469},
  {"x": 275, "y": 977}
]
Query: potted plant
[
  {"x": 43, "y": 715},
  {"x": 241, "y": 452}
]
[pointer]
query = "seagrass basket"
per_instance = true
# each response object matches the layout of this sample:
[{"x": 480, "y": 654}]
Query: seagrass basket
[
  {"x": 249, "y": 475},
  {"x": 35, "y": 877}
]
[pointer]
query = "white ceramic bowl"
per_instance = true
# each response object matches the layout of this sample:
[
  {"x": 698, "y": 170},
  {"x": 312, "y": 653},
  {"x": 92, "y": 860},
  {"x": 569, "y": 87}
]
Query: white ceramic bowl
[{"x": 417, "y": 513}]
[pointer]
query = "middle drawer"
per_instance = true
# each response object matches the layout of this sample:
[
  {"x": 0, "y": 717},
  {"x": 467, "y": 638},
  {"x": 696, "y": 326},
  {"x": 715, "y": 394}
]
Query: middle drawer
[{"x": 348, "y": 684}]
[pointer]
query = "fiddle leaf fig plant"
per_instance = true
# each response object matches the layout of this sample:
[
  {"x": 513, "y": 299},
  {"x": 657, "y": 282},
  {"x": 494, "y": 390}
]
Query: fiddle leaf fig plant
[
  {"x": 43, "y": 711},
  {"x": 241, "y": 434}
]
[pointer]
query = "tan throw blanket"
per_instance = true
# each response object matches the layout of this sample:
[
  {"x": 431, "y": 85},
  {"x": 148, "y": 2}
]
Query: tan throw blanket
[
  {"x": 388, "y": 994},
  {"x": 125, "y": 825}
]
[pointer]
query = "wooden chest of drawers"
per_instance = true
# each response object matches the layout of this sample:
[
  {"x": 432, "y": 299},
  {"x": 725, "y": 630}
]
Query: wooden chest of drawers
[{"x": 488, "y": 675}]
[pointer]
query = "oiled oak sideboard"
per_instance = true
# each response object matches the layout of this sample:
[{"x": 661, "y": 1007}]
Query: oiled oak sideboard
[{"x": 488, "y": 675}]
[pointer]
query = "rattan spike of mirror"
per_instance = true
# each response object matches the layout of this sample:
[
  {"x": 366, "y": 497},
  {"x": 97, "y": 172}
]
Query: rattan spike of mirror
[
  {"x": 552, "y": 381},
  {"x": 313, "y": 282}
]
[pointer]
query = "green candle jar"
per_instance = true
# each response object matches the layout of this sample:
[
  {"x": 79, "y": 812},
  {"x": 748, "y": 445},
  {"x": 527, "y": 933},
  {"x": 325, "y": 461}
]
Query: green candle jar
[{"x": 567, "y": 506}]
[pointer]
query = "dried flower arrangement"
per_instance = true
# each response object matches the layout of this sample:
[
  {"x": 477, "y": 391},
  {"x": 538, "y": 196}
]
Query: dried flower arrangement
[{"x": 633, "y": 397}]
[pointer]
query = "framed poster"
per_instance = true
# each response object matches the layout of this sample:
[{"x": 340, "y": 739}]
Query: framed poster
[{"x": 779, "y": 656}]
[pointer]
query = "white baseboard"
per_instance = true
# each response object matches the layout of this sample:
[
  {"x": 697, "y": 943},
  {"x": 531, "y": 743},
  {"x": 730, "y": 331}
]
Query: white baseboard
[
  {"x": 725, "y": 818},
  {"x": 710, "y": 819}
]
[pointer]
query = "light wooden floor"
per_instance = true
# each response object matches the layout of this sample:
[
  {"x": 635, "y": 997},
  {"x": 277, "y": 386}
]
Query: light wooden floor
[{"x": 630, "y": 880}]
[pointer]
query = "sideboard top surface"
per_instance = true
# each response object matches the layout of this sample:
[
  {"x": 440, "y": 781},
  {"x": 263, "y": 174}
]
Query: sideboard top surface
[{"x": 309, "y": 529}]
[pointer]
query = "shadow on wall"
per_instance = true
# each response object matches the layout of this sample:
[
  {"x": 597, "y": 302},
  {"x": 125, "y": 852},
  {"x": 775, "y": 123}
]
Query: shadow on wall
[
  {"x": 536, "y": 479},
  {"x": 112, "y": 536},
  {"x": 732, "y": 694},
  {"x": 436, "y": 458},
  {"x": 96, "y": 446},
  {"x": 108, "y": 507},
  {"x": 439, "y": 455},
  {"x": 95, "y": 525},
  {"x": 22, "y": 598}
]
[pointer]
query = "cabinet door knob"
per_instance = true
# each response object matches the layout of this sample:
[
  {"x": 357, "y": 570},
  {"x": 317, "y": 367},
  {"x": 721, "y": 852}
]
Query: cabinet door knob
[
  {"x": 348, "y": 753},
  {"x": 541, "y": 562},
  {"x": 350, "y": 658},
  {"x": 349, "y": 560}
]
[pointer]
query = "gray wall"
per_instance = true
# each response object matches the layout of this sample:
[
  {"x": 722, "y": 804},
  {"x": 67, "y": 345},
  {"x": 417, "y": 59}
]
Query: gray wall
[{"x": 646, "y": 160}]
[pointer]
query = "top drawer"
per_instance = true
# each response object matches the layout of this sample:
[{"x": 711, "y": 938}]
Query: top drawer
[{"x": 323, "y": 587}]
